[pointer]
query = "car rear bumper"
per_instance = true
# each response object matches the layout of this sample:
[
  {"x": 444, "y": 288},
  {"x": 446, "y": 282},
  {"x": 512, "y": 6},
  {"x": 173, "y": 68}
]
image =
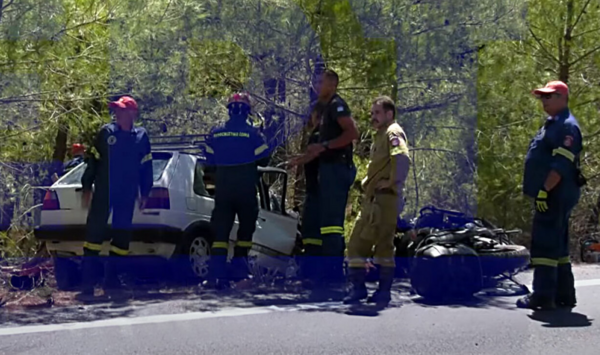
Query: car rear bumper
[{"x": 141, "y": 233}]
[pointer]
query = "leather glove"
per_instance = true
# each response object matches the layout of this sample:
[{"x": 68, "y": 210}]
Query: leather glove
[{"x": 541, "y": 203}]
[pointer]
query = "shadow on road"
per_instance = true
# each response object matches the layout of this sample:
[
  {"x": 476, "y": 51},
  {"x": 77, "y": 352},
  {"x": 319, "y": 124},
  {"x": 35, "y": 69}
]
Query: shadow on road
[
  {"x": 473, "y": 302},
  {"x": 490, "y": 298},
  {"x": 159, "y": 296},
  {"x": 561, "y": 319}
]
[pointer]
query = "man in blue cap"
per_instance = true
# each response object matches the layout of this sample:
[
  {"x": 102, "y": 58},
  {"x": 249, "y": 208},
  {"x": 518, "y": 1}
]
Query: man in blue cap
[
  {"x": 552, "y": 177},
  {"x": 236, "y": 149}
]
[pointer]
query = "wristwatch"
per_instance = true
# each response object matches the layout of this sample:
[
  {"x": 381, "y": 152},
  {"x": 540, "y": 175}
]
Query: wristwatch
[{"x": 325, "y": 145}]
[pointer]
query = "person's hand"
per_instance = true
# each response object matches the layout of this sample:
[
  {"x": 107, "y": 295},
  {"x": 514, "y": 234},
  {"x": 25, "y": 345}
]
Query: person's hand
[
  {"x": 541, "y": 203},
  {"x": 54, "y": 177},
  {"x": 315, "y": 149},
  {"x": 143, "y": 201},
  {"x": 86, "y": 197},
  {"x": 301, "y": 160},
  {"x": 295, "y": 161}
]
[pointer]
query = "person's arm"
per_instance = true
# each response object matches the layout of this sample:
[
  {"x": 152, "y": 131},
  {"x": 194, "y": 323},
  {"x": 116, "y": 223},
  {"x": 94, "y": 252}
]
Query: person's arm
[
  {"x": 566, "y": 148},
  {"x": 146, "y": 173},
  {"x": 400, "y": 161},
  {"x": 262, "y": 151},
  {"x": 341, "y": 113},
  {"x": 93, "y": 156},
  {"x": 209, "y": 149}
]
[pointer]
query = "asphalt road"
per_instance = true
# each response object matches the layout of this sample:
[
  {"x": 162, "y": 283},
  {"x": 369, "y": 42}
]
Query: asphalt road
[{"x": 202, "y": 325}]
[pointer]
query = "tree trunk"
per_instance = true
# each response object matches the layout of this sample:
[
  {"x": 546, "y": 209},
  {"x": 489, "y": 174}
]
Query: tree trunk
[{"x": 60, "y": 142}]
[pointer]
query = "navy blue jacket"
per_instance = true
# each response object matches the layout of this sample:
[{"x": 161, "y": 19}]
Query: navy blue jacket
[
  {"x": 236, "y": 149},
  {"x": 73, "y": 163},
  {"x": 556, "y": 146},
  {"x": 123, "y": 162}
]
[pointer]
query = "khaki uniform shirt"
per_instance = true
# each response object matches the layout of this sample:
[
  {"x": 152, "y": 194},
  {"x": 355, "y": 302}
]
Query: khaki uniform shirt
[{"x": 388, "y": 143}]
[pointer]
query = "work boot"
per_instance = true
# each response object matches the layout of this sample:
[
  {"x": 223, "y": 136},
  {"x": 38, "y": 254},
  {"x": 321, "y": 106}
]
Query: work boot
[
  {"x": 112, "y": 284},
  {"x": 217, "y": 273},
  {"x": 383, "y": 295},
  {"x": 239, "y": 269},
  {"x": 535, "y": 302},
  {"x": 544, "y": 289},
  {"x": 358, "y": 289},
  {"x": 90, "y": 270},
  {"x": 565, "y": 290}
]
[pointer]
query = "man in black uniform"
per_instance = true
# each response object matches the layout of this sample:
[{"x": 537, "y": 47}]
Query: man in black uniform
[
  {"x": 337, "y": 172},
  {"x": 121, "y": 171},
  {"x": 236, "y": 149},
  {"x": 311, "y": 223}
]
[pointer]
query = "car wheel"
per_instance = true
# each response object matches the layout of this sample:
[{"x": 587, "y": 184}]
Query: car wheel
[
  {"x": 199, "y": 255},
  {"x": 191, "y": 260}
]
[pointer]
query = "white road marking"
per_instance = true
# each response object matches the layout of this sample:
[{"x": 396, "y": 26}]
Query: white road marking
[
  {"x": 165, "y": 318},
  {"x": 584, "y": 283}
]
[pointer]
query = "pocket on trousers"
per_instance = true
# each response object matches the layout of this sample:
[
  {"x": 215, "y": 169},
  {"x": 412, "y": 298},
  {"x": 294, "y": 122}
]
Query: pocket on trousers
[{"x": 375, "y": 214}]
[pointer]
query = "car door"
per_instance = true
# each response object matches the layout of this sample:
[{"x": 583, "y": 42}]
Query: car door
[
  {"x": 204, "y": 193},
  {"x": 276, "y": 231}
]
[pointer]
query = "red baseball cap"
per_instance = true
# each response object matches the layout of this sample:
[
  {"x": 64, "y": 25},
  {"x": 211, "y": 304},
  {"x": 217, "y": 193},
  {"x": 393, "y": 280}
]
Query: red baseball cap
[
  {"x": 553, "y": 87},
  {"x": 125, "y": 102}
]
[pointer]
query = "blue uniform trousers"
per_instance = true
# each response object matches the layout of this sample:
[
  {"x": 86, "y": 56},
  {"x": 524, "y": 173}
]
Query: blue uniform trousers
[
  {"x": 231, "y": 202},
  {"x": 324, "y": 248},
  {"x": 553, "y": 276},
  {"x": 122, "y": 204}
]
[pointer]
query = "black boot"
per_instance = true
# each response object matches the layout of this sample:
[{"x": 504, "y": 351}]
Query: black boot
[
  {"x": 383, "y": 295},
  {"x": 536, "y": 302},
  {"x": 112, "y": 284},
  {"x": 544, "y": 289},
  {"x": 239, "y": 269},
  {"x": 90, "y": 269},
  {"x": 565, "y": 290},
  {"x": 358, "y": 290},
  {"x": 217, "y": 273}
]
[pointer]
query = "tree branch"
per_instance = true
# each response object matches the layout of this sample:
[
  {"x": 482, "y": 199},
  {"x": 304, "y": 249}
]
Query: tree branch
[
  {"x": 429, "y": 106},
  {"x": 542, "y": 46},
  {"x": 585, "y": 55},
  {"x": 83, "y": 24},
  {"x": 580, "y": 14},
  {"x": 585, "y": 32},
  {"x": 3, "y": 7}
]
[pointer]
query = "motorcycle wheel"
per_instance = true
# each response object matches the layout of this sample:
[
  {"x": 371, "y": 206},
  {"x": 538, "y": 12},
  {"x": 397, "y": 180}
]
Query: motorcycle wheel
[{"x": 503, "y": 259}]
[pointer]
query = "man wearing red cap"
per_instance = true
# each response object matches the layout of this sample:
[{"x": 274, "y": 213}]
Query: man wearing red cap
[
  {"x": 77, "y": 151},
  {"x": 120, "y": 172},
  {"x": 236, "y": 149},
  {"x": 552, "y": 177}
]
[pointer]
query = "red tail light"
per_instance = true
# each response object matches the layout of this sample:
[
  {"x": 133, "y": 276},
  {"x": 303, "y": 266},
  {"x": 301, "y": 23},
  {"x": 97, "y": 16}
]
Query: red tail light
[
  {"x": 51, "y": 201},
  {"x": 158, "y": 199}
]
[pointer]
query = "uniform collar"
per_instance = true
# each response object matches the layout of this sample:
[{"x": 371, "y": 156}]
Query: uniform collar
[
  {"x": 384, "y": 128},
  {"x": 562, "y": 115},
  {"x": 118, "y": 128},
  {"x": 237, "y": 120}
]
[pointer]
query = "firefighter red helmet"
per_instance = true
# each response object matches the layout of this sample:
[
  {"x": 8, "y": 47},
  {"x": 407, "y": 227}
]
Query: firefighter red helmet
[
  {"x": 239, "y": 97},
  {"x": 77, "y": 149}
]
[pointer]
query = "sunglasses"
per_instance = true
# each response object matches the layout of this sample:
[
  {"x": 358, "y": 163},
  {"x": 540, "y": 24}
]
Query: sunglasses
[{"x": 548, "y": 96}]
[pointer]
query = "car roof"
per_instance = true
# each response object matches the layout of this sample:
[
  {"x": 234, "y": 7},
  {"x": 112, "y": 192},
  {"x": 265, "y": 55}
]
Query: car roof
[{"x": 264, "y": 169}]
